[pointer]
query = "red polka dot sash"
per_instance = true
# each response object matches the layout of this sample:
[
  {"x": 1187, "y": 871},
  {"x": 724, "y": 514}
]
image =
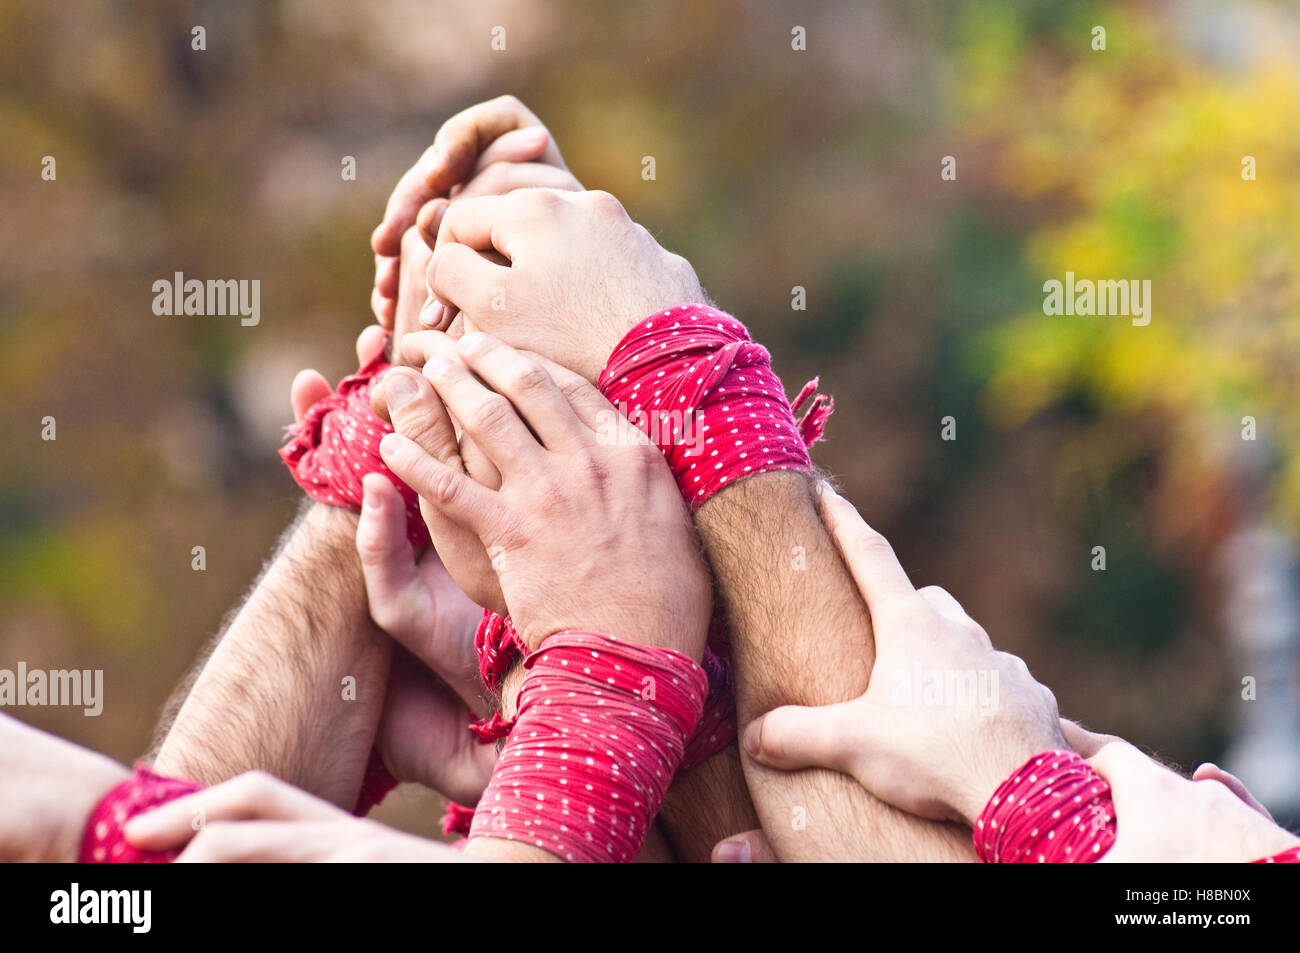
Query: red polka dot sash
[
  {"x": 1054, "y": 809},
  {"x": 602, "y": 726},
  {"x": 693, "y": 379},
  {"x": 337, "y": 443},
  {"x": 104, "y": 843}
]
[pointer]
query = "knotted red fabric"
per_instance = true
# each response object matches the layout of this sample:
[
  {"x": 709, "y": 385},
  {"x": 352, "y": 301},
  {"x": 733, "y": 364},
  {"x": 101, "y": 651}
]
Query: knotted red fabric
[
  {"x": 337, "y": 443},
  {"x": 601, "y": 729},
  {"x": 103, "y": 842},
  {"x": 1054, "y": 809},
  {"x": 694, "y": 380}
]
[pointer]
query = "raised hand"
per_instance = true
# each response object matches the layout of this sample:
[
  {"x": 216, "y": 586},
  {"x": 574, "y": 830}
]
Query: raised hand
[
  {"x": 588, "y": 529},
  {"x": 579, "y": 274},
  {"x": 491, "y": 148},
  {"x": 945, "y": 718}
]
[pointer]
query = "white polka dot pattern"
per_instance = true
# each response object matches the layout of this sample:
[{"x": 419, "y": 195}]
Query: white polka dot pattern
[
  {"x": 1054, "y": 809},
  {"x": 599, "y": 734},
  {"x": 693, "y": 379}
]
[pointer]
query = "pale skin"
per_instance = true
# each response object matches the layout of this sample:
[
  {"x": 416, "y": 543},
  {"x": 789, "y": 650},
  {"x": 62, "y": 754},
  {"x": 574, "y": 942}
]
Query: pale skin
[
  {"x": 573, "y": 307},
  {"x": 567, "y": 504},
  {"x": 945, "y": 761},
  {"x": 484, "y": 143},
  {"x": 289, "y": 717}
]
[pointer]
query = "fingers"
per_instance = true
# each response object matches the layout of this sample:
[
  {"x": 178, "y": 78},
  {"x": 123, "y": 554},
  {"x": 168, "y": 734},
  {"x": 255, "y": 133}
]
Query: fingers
[
  {"x": 254, "y": 841},
  {"x": 452, "y": 158},
  {"x": 430, "y": 220},
  {"x": 1121, "y": 764},
  {"x": 412, "y": 289},
  {"x": 417, "y": 412},
  {"x": 308, "y": 387},
  {"x": 468, "y": 134},
  {"x": 452, "y": 492},
  {"x": 387, "y": 557},
  {"x": 487, "y": 417},
  {"x": 591, "y": 407},
  {"x": 868, "y": 555},
  {"x": 1212, "y": 772},
  {"x": 385, "y": 309},
  {"x": 386, "y": 269},
  {"x": 793, "y": 737},
  {"x": 503, "y": 177},
  {"x": 254, "y": 795},
  {"x": 529, "y": 388},
  {"x": 750, "y": 847},
  {"x": 528, "y": 144},
  {"x": 1085, "y": 743},
  {"x": 498, "y": 221},
  {"x": 370, "y": 344},
  {"x": 458, "y": 276}
]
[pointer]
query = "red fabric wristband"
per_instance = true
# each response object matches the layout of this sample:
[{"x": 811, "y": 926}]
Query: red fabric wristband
[
  {"x": 337, "y": 443},
  {"x": 144, "y": 790},
  {"x": 1054, "y": 809},
  {"x": 1291, "y": 856},
  {"x": 601, "y": 729}
]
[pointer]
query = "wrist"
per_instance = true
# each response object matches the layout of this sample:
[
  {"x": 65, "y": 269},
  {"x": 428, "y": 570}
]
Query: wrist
[
  {"x": 1002, "y": 761},
  {"x": 75, "y": 804}
]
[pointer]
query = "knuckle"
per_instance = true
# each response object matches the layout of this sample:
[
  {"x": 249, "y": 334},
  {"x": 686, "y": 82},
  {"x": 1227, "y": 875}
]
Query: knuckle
[
  {"x": 545, "y": 201},
  {"x": 491, "y": 414},
  {"x": 256, "y": 785},
  {"x": 871, "y": 543},
  {"x": 606, "y": 205},
  {"x": 445, "y": 488},
  {"x": 532, "y": 377}
]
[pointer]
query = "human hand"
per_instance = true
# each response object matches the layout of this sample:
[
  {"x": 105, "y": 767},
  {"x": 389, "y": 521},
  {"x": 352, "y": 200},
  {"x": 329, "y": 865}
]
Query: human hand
[
  {"x": 256, "y": 817},
  {"x": 588, "y": 531},
  {"x": 49, "y": 787},
  {"x": 945, "y": 718},
  {"x": 491, "y": 148},
  {"x": 433, "y": 689},
  {"x": 581, "y": 274},
  {"x": 1160, "y": 816},
  {"x": 424, "y": 734}
]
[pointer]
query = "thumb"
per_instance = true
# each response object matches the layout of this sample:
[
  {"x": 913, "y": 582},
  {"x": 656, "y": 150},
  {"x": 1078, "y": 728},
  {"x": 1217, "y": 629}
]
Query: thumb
[
  {"x": 793, "y": 737},
  {"x": 387, "y": 557},
  {"x": 749, "y": 847}
]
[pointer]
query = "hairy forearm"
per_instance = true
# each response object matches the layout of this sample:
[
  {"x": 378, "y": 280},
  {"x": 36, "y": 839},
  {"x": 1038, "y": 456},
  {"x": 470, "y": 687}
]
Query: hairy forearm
[
  {"x": 801, "y": 635},
  {"x": 295, "y": 685},
  {"x": 705, "y": 805}
]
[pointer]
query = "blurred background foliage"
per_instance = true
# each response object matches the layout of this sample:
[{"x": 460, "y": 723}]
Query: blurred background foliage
[{"x": 775, "y": 169}]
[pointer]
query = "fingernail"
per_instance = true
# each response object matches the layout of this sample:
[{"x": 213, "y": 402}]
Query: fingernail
[
  {"x": 753, "y": 737},
  {"x": 432, "y": 316},
  {"x": 388, "y": 446},
  {"x": 435, "y": 366},
  {"x": 734, "y": 852},
  {"x": 400, "y": 390}
]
